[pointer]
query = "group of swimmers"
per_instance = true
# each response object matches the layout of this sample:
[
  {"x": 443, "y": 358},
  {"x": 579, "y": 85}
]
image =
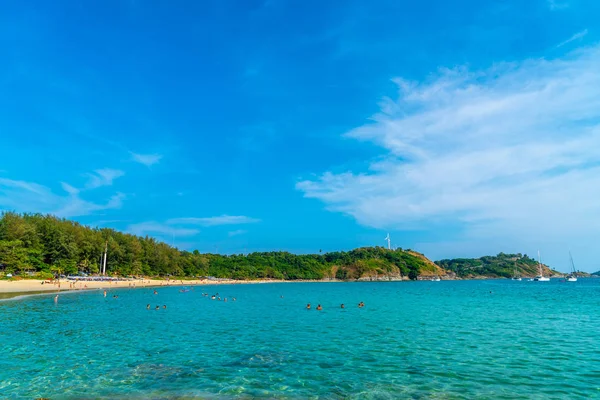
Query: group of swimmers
[
  {"x": 157, "y": 307},
  {"x": 217, "y": 297},
  {"x": 319, "y": 307},
  {"x": 115, "y": 296}
]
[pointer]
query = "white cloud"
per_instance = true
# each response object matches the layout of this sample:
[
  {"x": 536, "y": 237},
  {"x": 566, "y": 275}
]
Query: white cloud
[
  {"x": 215, "y": 221},
  {"x": 151, "y": 227},
  {"x": 510, "y": 152},
  {"x": 557, "y": 5},
  {"x": 23, "y": 185},
  {"x": 24, "y": 196},
  {"x": 146, "y": 159},
  {"x": 577, "y": 36},
  {"x": 69, "y": 189},
  {"x": 236, "y": 232},
  {"x": 74, "y": 206},
  {"x": 102, "y": 177}
]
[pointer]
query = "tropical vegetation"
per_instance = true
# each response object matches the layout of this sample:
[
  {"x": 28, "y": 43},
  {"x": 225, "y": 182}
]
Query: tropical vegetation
[
  {"x": 36, "y": 243},
  {"x": 499, "y": 266}
]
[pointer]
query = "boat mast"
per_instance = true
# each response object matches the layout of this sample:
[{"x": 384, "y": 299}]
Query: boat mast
[
  {"x": 572, "y": 264},
  {"x": 540, "y": 265}
]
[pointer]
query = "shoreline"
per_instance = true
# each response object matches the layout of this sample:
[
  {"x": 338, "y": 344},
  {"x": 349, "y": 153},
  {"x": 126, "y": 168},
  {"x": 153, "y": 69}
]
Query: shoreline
[
  {"x": 34, "y": 287},
  {"x": 11, "y": 290}
]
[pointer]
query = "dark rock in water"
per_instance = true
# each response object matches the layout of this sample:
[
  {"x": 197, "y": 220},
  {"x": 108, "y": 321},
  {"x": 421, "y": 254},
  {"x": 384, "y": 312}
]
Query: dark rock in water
[{"x": 329, "y": 365}]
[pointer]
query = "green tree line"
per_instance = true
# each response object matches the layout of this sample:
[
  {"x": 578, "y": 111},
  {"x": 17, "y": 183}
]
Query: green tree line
[
  {"x": 44, "y": 243},
  {"x": 501, "y": 265}
]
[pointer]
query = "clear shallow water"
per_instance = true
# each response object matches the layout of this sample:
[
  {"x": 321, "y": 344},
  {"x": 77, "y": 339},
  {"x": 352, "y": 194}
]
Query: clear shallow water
[{"x": 422, "y": 340}]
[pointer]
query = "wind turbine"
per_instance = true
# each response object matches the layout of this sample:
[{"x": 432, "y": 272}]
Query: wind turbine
[{"x": 387, "y": 238}]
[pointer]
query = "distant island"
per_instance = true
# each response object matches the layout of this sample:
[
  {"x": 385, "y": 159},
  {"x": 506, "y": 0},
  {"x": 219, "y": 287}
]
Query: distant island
[
  {"x": 43, "y": 246},
  {"x": 499, "y": 266}
]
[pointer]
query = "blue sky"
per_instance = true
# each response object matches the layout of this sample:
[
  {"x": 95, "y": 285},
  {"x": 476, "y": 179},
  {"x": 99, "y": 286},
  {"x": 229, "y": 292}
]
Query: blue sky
[{"x": 462, "y": 128}]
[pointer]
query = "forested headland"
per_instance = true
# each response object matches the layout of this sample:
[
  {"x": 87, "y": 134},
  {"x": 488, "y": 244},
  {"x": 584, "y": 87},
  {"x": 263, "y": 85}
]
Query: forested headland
[
  {"x": 499, "y": 266},
  {"x": 44, "y": 245}
]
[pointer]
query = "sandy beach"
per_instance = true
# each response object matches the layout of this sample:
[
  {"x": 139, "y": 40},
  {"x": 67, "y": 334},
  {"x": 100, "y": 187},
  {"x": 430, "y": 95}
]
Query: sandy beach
[{"x": 33, "y": 285}]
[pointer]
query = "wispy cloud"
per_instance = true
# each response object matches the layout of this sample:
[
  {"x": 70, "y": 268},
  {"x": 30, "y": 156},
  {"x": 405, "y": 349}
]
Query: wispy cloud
[
  {"x": 105, "y": 222},
  {"x": 23, "y": 185},
  {"x": 69, "y": 189},
  {"x": 146, "y": 159},
  {"x": 577, "y": 36},
  {"x": 75, "y": 206},
  {"x": 505, "y": 151},
  {"x": 32, "y": 197},
  {"x": 151, "y": 227},
  {"x": 557, "y": 5},
  {"x": 102, "y": 177},
  {"x": 236, "y": 232},
  {"x": 215, "y": 221}
]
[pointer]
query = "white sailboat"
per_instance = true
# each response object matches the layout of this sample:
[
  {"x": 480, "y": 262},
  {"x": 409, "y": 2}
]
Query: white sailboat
[
  {"x": 436, "y": 279},
  {"x": 572, "y": 277},
  {"x": 516, "y": 277},
  {"x": 541, "y": 277}
]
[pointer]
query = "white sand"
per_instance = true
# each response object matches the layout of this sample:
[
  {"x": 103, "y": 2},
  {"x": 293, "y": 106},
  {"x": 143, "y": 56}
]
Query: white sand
[{"x": 33, "y": 285}]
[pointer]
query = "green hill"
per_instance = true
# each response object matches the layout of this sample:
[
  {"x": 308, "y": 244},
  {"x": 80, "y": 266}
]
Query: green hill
[
  {"x": 502, "y": 265},
  {"x": 35, "y": 243},
  {"x": 378, "y": 262}
]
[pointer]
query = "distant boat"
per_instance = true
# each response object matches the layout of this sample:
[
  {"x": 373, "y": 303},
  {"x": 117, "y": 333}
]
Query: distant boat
[
  {"x": 572, "y": 277},
  {"x": 540, "y": 277},
  {"x": 516, "y": 277},
  {"x": 436, "y": 279}
]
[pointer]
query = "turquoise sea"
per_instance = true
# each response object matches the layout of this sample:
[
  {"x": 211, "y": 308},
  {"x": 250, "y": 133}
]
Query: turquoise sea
[{"x": 424, "y": 340}]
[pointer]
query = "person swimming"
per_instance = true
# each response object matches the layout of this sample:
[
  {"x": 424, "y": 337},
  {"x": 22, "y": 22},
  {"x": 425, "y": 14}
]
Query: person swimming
[
  {"x": 147, "y": 306},
  {"x": 105, "y": 293},
  {"x": 165, "y": 307},
  {"x": 56, "y": 299},
  {"x": 342, "y": 305},
  {"x": 308, "y": 306},
  {"x": 361, "y": 304},
  {"x": 157, "y": 307},
  {"x": 319, "y": 307},
  {"x": 155, "y": 292}
]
